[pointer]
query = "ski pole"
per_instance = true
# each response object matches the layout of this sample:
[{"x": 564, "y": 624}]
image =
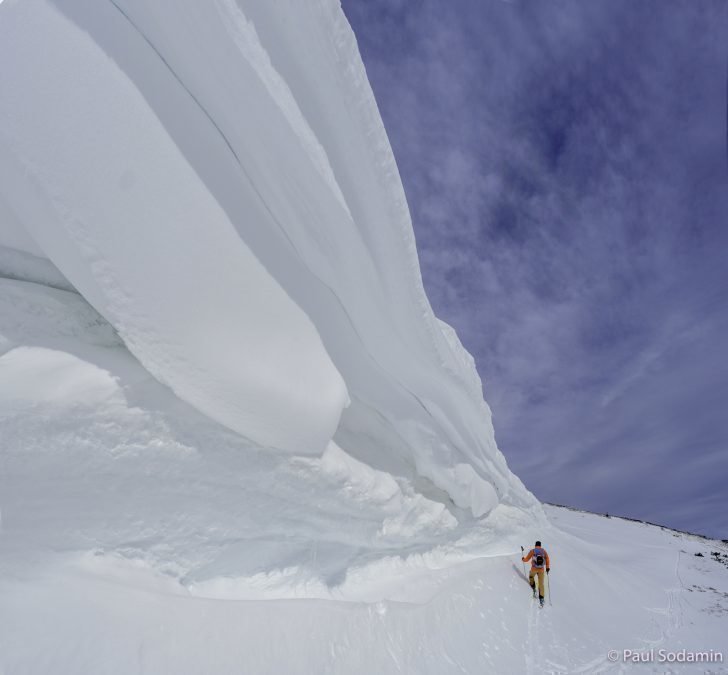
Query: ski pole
[
  {"x": 523, "y": 563},
  {"x": 548, "y": 581}
]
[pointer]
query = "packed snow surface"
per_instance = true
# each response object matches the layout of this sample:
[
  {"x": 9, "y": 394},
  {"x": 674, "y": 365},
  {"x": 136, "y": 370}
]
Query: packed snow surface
[{"x": 215, "y": 180}]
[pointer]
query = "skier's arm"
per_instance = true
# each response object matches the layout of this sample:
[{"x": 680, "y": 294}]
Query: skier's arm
[
  {"x": 528, "y": 557},
  {"x": 548, "y": 562}
]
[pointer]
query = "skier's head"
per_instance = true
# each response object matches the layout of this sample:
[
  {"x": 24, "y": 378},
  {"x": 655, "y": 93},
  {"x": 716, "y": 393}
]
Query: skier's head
[{"x": 538, "y": 543}]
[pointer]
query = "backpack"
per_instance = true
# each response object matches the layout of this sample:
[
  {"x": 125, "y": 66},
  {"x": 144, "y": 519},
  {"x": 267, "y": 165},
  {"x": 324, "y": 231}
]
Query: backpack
[{"x": 538, "y": 557}]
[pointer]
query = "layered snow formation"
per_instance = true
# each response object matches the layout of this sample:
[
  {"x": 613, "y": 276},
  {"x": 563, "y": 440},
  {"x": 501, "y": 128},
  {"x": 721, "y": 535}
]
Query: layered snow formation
[
  {"x": 214, "y": 179},
  {"x": 233, "y": 436},
  {"x": 110, "y": 198},
  {"x": 100, "y": 459}
]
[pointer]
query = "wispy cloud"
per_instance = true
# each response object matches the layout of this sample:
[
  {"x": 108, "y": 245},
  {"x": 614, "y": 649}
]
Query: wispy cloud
[{"x": 565, "y": 165}]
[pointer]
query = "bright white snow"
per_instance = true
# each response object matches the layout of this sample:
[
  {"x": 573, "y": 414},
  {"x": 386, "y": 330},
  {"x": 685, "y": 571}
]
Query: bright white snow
[
  {"x": 141, "y": 238},
  {"x": 233, "y": 436},
  {"x": 139, "y": 536},
  {"x": 214, "y": 178}
]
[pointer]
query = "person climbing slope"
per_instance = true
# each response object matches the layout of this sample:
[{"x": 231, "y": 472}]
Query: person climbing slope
[{"x": 539, "y": 561}]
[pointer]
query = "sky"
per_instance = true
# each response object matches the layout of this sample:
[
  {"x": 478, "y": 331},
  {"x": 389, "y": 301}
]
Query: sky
[{"x": 565, "y": 164}]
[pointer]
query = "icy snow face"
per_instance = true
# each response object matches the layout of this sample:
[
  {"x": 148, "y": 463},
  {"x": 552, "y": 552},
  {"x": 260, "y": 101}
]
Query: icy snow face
[{"x": 215, "y": 179}]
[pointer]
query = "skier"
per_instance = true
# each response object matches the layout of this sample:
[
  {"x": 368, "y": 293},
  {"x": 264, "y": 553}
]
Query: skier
[{"x": 539, "y": 561}]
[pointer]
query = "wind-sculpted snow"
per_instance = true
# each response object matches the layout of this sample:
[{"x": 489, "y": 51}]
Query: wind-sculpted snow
[
  {"x": 203, "y": 192},
  {"x": 214, "y": 178},
  {"x": 130, "y": 223}
]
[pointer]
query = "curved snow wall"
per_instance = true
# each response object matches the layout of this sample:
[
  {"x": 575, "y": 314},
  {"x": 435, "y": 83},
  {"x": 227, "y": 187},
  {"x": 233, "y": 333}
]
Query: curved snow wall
[{"x": 215, "y": 179}]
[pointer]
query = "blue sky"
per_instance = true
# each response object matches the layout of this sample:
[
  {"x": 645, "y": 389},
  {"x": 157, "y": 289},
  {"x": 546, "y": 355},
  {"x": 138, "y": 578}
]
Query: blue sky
[{"x": 565, "y": 166}]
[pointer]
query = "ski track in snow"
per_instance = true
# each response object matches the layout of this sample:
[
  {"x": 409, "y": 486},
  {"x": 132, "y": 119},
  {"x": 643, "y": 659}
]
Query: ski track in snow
[{"x": 533, "y": 642}]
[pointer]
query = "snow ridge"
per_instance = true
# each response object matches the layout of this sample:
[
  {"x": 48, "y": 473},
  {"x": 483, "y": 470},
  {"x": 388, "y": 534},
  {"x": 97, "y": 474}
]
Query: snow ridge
[{"x": 264, "y": 202}]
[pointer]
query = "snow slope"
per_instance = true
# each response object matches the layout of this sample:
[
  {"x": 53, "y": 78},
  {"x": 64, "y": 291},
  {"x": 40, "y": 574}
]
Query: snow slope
[
  {"x": 139, "y": 536},
  {"x": 214, "y": 178},
  {"x": 233, "y": 436},
  {"x": 154, "y": 479},
  {"x": 98, "y": 615}
]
